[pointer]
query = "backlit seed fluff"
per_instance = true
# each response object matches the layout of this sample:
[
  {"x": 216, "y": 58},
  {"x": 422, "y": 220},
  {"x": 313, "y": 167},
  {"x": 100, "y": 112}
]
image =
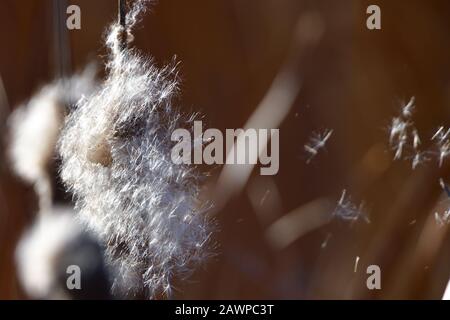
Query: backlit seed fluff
[
  {"x": 55, "y": 243},
  {"x": 34, "y": 132},
  {"x": 35, "y": 126},
  {"x": 116, "y": 159}
]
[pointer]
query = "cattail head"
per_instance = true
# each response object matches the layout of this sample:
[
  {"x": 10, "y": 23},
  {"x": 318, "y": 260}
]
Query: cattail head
[
  {"x": 116, "y": 153},
  {"x": 35, "y": 128},
  {"x": 55, "y": 243},
  {"x": 34, "y": 132}
]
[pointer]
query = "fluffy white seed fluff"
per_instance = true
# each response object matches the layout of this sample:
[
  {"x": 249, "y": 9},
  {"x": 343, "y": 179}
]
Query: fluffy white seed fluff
[
  {"x": 401, "y": 129},
  {"x": 441, "y": 138},
  {"x": 34, "y": 133},
  {"x": 56, "y": 250},
  {"x": 444, "y": 217},
  {"x": 116, "y": 153},
  {"x": 404, "y": 138},
  {"x": 40, "y": 247},
  {"x": 349, "y": 211},
  {"x": 35, "y": 128},
  {"x": 316, "y": 143}
]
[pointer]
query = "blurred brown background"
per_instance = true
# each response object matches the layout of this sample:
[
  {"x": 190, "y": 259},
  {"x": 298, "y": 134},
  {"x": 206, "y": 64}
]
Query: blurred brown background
[{"x": 230, "y": 52}]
